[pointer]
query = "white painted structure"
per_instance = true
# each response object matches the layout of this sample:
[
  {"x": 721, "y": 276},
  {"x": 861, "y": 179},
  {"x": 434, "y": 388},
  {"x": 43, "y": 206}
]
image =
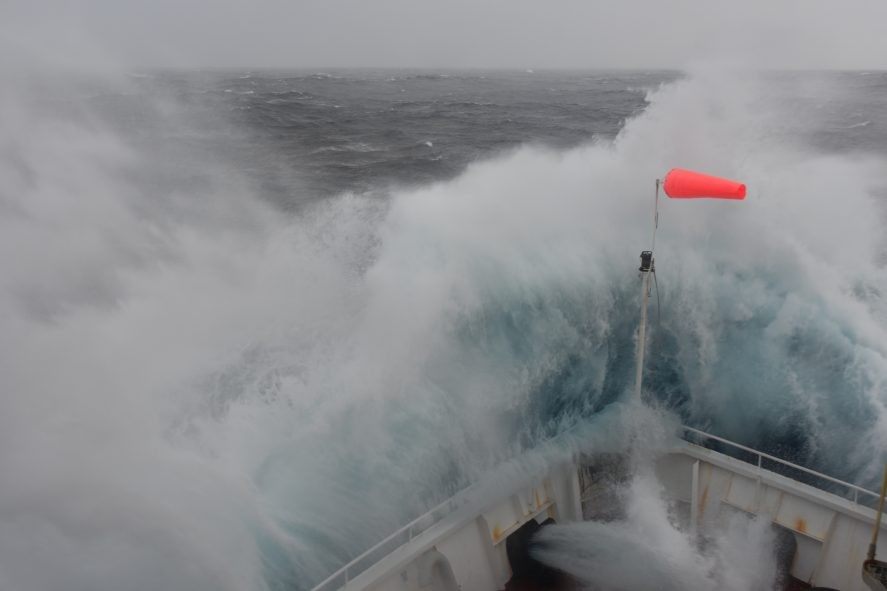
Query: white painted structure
[{"x": 460, "y": 545}]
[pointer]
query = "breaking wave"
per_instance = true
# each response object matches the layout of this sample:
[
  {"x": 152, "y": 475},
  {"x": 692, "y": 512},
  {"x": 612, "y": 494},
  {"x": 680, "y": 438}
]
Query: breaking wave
[{"x": 201, "y": 392}]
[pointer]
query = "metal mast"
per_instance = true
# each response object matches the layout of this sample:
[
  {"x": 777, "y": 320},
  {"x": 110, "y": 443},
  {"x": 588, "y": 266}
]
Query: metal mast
[{"x": 647, "y": 268}]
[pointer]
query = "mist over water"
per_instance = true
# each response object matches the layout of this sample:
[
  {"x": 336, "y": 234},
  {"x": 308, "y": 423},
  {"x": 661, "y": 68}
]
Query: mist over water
[{"x": 227, "y": 366}]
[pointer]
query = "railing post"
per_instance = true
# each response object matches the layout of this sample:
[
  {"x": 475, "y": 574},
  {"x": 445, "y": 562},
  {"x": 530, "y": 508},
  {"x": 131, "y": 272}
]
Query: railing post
[{"x": 856, "y": 496}]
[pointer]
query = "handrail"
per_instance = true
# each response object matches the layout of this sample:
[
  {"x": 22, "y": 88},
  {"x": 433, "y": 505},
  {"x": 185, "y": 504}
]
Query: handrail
[
  {"x": 345, "y": 570},
  {"x": 346, "y": 575},
  {"x": 760, "y": 455}
]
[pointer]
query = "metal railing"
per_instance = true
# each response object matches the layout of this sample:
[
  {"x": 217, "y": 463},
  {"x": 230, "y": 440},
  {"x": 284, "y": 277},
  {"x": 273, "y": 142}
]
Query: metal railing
[
  {"x": 760, "y": 456},
  {"x": 405, "y": 534}
]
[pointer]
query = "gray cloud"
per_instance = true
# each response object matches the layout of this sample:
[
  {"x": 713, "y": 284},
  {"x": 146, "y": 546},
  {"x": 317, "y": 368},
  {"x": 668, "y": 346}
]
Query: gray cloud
[{"x": 457, "y": 33}]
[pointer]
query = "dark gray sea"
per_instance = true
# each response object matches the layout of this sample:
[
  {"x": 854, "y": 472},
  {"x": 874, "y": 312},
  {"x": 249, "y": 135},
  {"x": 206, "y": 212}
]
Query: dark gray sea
[{"x": 309, "y": 135}]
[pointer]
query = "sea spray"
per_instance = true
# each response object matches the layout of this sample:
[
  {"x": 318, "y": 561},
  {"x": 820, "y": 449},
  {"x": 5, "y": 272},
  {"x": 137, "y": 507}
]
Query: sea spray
[{"x": 643, "y": 539}]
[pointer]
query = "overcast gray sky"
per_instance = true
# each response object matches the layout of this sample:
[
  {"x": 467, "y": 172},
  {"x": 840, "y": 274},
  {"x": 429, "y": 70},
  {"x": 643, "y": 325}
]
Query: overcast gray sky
[{"x": 453, "y": 33}]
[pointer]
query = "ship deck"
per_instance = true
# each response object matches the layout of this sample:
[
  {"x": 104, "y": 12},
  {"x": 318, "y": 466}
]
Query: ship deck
[{"x": 460, "y": 543}]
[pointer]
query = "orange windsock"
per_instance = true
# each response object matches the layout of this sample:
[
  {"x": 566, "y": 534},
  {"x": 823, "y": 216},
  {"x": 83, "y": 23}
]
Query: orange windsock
[{"x": 686, "y": 184}]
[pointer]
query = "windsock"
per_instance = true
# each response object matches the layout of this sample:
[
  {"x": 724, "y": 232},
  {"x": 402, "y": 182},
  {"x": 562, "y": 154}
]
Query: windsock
[{"x": 686, "y": 184}]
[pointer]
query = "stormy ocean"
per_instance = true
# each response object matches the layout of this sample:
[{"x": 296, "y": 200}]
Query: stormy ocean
[{"x": 253, "y": 321}]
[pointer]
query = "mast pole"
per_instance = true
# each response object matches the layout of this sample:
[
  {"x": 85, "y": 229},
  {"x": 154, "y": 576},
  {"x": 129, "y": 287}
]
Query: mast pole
[
  {"x": 647, "y": 267},
  {"x": 642, "y": 329}
]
